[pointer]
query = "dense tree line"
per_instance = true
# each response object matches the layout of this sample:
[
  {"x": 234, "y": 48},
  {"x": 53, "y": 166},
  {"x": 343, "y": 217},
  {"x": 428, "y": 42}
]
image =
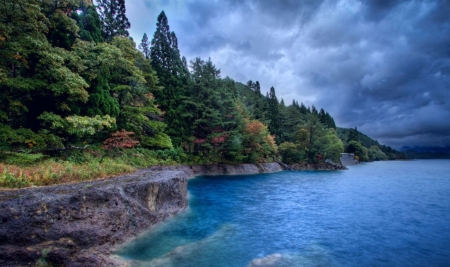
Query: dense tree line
[
  {"x": 365, "y": 148},
  {"x": 70, "y": 75}
]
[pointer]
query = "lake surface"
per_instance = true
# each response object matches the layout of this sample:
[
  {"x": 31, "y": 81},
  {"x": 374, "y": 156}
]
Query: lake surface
[{"x": 391, "y": 213}]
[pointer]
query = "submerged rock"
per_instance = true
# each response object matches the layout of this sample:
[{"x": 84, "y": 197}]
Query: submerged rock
[{"x": 272, "y": 260}]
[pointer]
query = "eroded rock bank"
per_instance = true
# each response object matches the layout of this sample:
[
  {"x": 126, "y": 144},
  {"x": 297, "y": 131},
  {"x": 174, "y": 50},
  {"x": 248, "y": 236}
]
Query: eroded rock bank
[
  {"x": 192, "y": 171},
  {"x": 79, "y": 224},
  {"x": 323, "y": 166}
]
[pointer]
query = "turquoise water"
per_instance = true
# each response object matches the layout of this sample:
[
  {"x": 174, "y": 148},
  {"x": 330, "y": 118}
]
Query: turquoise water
[{"x": 394, "y": 213}]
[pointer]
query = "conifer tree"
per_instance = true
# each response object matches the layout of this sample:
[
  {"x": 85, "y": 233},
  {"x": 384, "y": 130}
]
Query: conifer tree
[
  {"x": 274, "y": 125},
  {"x": 303, "y": 109},
  {"x": 322, "y": 117},
  {"x": 89, "y": 23},
  {"x": 166, "y": 61},
  {"x": 353, "y": 135},
  {"x": 114, "y": 19},
  {"x": 260, "y": 104},
  {"x": 314, "y": 110},
  {"x": 290, "y": 119},
  {"x": 144, "y": 46}
]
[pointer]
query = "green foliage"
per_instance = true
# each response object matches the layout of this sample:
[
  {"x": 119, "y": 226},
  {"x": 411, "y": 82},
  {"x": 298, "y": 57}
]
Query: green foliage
[
  {"x": 273, "y": 114},
  {"x": 259, "y": 145},
  {"x": 358, "y": 149},
  {"x": 375, "y": 153},
  {"x": 257, "y": 103},
  {"x": 353, "y": 134},
  {"x": 329, "y": 145},
  {"x": 172, "y": 73},
  {"x": 143, "y": 158},
  {"x": 144, "y": 46},
  {"x": 310, "y": 134},
  {"x": 290, "y": 154},
  {"x": 10, "y": 180},
  {"x": 114, "y": 19},
  {"x": 89, "y": 23},
  {"x": 22, "y": 159},
  {"x": 62, "y": 85},
  {"x": 77, "y": 125},
  {"x": 22, "y": 138}
]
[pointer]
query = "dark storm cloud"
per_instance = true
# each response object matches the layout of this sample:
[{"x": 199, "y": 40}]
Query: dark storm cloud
[
  {"x": 383, "y": 66},
  {"x": 376, "y": 9}
]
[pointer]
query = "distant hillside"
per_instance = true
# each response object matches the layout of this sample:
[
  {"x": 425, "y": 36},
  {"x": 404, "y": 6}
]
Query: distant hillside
[{"x": 367, "y": 142}]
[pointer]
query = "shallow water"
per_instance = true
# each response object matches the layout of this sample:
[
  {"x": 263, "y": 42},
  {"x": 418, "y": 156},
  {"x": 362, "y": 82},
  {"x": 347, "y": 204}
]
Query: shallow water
[{"x": 394, "y": 213}]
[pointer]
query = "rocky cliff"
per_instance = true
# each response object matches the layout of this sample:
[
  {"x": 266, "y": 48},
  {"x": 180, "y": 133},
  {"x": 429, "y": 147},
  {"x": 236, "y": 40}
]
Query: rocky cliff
[{"x": 79, "y": 224}]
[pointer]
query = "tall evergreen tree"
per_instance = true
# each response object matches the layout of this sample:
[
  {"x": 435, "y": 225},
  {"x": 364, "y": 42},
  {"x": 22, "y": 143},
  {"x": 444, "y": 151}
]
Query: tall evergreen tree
[
  {"x": 274, "y": 125},
  {"x": 256, "y": 102},
  {"x": 144, "y": 46},
  {"x": 303, "y": 109},
  {"x": 166, "y": 61},
  {"x": 314, "y": 110},
  {"x": 114, "y": 19},
  {"x": 89, "y": 23},
  {"x": 353, "y": 135}
]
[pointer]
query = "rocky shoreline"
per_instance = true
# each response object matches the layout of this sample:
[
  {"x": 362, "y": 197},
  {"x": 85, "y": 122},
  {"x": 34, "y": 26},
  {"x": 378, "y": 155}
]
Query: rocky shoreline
[
  {"x": 323, "y": 166},
  {"x": 80, "y": 224}
]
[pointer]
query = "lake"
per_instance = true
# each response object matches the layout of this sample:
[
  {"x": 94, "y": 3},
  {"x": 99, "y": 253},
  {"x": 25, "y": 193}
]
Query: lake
[{"x": 389, "y": 213}]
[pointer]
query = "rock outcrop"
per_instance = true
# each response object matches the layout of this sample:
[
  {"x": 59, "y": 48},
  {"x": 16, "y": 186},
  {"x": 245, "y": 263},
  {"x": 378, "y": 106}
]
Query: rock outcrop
[
  {"x": 323, "y": 166},
  {"x": 221, "y": 169},
  {"x": 79, "y": 224}
]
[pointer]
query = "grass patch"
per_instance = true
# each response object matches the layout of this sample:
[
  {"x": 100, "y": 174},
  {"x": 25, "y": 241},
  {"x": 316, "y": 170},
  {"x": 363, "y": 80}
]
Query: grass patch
[
  {"x": 24, "y": 170},
  {"x": 51, "y": 172}
]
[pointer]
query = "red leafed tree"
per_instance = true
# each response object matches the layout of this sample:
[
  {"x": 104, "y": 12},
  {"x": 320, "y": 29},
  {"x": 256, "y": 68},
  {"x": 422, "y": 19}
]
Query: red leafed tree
[
  {"x": 259, "y": 144},
  {"x": 219, "y": 139},
  {"x": 120, "y": 139},
  {"x": 199, "y": 141}
]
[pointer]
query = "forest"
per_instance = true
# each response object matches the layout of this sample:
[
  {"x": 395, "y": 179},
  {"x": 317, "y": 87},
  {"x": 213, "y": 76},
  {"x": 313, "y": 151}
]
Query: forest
[{"x": 81, "y": 100}]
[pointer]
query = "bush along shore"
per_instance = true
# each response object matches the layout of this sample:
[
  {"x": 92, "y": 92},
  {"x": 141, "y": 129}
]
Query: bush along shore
[{"x": 30, "y": 170}]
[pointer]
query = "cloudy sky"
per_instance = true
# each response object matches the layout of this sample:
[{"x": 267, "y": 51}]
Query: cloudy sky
[{"x": 380, "y": 65}]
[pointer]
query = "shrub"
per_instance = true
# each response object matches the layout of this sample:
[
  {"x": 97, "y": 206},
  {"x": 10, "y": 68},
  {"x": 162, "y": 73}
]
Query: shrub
[
  {"x": 10, "y": 180},
  {"x": 22, "y": 159},
  {"x": 290, "y": 153}
]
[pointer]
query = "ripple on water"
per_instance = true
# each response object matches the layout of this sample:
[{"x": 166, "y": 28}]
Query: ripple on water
[{"x": 392, "y": 213}]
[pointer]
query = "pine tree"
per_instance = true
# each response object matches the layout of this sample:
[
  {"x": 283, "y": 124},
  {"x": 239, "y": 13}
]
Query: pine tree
[
  {"x": 303, "y": 109},
  {"x": 353, "y": 135},
  {"x": 144, "y": 46},
  {"x": 114, "y": 19},
  {"x": 314, "y": 110},
  {"x": 259, "y": 103},
  {"x": 322, "y": 117},
  {"x": 274, "y": 125},
  {"x": 89, "y": 23},
  {"x": 166, "y": 61},
  {"x": 290, "y": 119}
]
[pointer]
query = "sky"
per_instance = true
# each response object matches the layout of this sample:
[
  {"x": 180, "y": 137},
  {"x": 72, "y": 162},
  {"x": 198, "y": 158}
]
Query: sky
[{"x": 382, "y": 66}]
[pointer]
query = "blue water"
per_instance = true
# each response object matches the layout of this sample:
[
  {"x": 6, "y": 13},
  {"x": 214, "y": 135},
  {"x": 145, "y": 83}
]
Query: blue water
[{"x": 392, "y": 213}]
